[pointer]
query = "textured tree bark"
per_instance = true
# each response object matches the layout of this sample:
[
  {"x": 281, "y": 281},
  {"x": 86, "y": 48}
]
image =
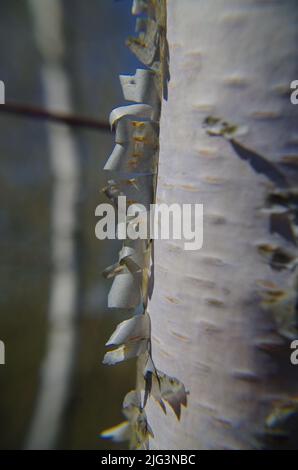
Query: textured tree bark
[{"x": 222, "y": 317}]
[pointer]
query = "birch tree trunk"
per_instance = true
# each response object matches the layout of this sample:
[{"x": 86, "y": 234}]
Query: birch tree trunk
[{"x": 223, "y": 317}]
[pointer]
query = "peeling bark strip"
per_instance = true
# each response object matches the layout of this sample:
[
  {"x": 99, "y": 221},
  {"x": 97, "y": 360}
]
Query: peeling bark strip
[
  {"x": 135, "y": 157},
  {"x": 222, "y": 318}
]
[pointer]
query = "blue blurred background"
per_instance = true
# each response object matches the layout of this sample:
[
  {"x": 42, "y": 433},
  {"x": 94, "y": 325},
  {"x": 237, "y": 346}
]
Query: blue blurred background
[{"x": 85, "y": 60}]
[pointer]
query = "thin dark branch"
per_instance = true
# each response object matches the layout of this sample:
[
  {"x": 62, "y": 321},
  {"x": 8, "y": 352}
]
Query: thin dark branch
[{"x": 61, "y": 118}]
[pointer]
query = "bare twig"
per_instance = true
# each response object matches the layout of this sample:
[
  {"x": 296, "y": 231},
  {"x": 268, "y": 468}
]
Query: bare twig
[{"x": 61, "y": 118}]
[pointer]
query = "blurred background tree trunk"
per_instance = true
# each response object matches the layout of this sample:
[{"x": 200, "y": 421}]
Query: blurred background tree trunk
[
  {"x": 94, "y": 34},
  {"x": 60, "y": 358}
]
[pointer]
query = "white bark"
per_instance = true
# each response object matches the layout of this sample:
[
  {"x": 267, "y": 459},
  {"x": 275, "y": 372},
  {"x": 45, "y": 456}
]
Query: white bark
[{"x": 234, "y": 59}]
